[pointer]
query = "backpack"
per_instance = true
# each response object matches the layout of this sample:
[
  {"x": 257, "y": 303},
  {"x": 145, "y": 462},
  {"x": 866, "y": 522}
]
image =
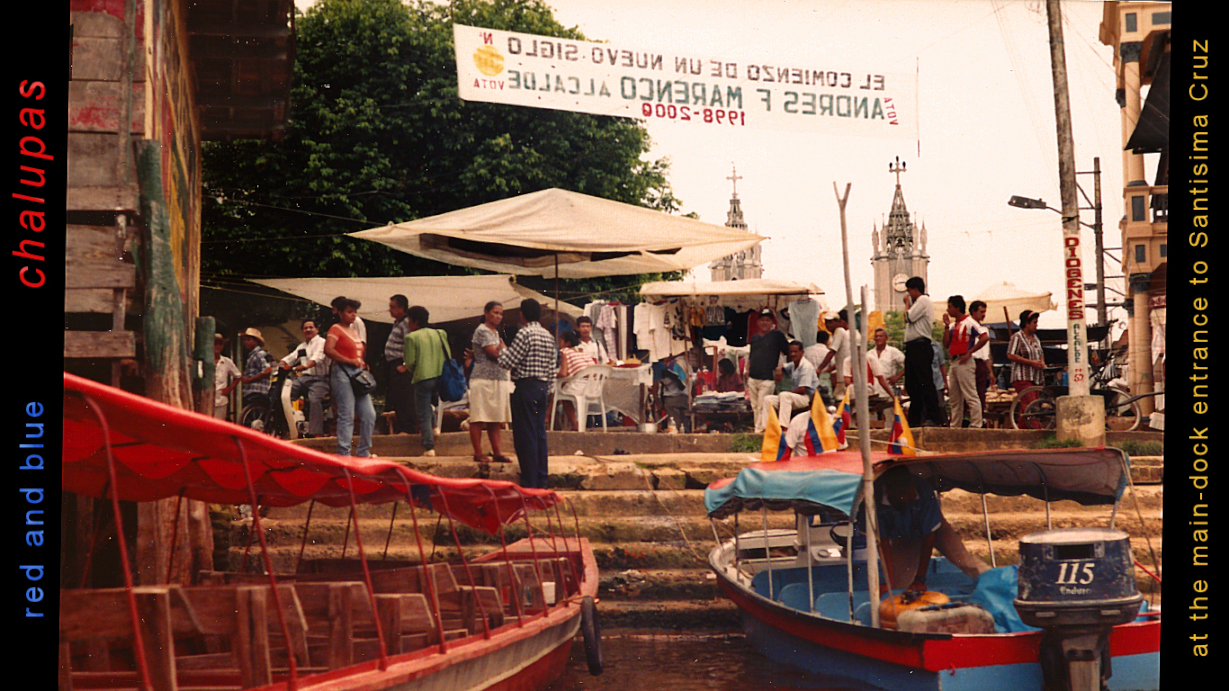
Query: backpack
[{"x": 452, "y": 379}]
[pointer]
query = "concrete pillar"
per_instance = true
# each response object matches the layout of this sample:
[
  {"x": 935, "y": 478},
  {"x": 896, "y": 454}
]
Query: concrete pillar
[
  {"x": 1132, "y": 164},
  {"x": 1082, "y": 418},
  {"x": 1140, "y": 348}
]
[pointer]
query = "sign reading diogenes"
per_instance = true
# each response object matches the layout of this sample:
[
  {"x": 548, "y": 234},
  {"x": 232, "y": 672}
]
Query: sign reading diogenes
[{"x": 695, "y": 90}]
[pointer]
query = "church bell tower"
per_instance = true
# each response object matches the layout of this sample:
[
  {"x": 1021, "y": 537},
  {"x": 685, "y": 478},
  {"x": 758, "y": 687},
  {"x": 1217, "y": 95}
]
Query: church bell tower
[
  {"x": 741, "y": 265},
  {"x": 899, "y": 251}
]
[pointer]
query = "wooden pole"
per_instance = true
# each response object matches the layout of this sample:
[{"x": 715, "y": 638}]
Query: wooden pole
[{"x": 859, "y": 371}]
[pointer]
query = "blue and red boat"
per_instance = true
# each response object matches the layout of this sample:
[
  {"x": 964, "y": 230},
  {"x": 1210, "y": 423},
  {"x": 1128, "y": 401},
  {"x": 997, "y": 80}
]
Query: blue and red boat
[{"x": 804, "y": 598}]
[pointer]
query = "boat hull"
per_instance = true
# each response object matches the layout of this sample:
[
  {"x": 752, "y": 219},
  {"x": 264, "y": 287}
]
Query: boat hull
[
  {"x": 897, "y": 661},
  {"x": 523, "y": 659}
]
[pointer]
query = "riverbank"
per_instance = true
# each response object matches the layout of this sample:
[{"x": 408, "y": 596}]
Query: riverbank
[{"x": 643, "y": 512}]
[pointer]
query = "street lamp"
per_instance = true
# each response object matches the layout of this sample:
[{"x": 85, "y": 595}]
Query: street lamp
[
  {"x": 1029, "y": 203},
  {"x": 1026, "y": 203}
]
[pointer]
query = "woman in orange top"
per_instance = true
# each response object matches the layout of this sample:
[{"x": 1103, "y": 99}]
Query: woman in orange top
[{"x": 346, "y": 351}]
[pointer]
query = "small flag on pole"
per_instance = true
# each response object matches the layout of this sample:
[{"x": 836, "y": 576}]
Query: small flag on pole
[
  {"x": 901, "y": 439},
  {"x": 844, "y": 418},
  {"x": 775, "y": 446}
]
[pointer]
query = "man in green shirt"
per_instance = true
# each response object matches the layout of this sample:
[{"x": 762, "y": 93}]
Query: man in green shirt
[{"x": 426, "y": 350}]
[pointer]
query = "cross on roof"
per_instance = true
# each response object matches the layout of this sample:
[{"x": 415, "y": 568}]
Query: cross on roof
[
  {"x": 735, "y": 177},
  {"x": 898, "y": 169}
]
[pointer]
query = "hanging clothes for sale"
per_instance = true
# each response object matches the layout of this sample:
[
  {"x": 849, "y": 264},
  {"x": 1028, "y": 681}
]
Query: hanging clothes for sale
[{"x": 804, "y": 320}]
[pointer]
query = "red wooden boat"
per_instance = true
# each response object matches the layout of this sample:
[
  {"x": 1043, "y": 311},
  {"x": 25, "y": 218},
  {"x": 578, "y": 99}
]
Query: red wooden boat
[{"x": 502, "y": 622}]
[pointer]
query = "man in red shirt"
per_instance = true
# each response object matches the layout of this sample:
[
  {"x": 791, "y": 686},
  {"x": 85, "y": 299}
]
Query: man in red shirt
[{"x": 962, "y": 335}]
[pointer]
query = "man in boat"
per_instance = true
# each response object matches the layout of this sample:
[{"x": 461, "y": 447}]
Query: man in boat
[{"x": 911, "y": 526}]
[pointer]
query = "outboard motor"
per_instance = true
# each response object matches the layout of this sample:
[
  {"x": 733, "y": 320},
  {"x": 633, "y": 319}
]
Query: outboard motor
[{"x": 1076, "y": 584}]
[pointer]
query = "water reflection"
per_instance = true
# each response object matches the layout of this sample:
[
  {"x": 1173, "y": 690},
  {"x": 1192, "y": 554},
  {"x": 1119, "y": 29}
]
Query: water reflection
[{"x": 713, "y": 662}]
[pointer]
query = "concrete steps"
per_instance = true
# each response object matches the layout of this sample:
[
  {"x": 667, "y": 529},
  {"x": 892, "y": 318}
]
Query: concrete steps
[{"x": 644, "y": 515}]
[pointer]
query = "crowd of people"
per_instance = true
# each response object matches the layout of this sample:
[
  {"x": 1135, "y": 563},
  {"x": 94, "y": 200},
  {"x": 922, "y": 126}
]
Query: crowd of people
[
  {"x": 509, "y": 383},
  {"x": 958, "y": 366}
]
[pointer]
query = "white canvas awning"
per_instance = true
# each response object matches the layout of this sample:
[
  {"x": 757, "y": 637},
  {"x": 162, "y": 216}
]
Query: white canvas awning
[
  {"x": 447, "y": 298},
  {"x": 583, "y": 236},
  {"x": 751, "y": 287},
  {"x": 1007, "y": 296}
]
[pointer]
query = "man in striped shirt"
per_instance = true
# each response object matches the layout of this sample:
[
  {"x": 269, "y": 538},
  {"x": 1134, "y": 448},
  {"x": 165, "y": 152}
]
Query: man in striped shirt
[
  {"x": 400, "y": 396},
  {"x": 533, "y": 361}
]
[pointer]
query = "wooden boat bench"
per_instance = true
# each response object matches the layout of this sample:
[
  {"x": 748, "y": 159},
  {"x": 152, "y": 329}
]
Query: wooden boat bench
[{"x": 167, "y": 614}]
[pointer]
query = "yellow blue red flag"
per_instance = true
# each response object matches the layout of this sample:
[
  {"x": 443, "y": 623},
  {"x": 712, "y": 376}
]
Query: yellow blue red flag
[
  {"x": 901, "y": 439},
  {"x": 821, "y": 435},
  {"x": 844, "y": 418},
  {"x": 775, "y": 447}
]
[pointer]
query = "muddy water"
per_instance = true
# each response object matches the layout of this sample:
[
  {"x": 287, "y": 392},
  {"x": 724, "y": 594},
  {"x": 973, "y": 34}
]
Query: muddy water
[{"x": 673, "y": 662}]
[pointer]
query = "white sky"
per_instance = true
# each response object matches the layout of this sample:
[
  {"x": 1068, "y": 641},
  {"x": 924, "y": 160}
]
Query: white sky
[{"x": 986, "y": 112}]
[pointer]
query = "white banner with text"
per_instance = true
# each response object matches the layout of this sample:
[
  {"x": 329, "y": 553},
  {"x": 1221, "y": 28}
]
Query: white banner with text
[{"x": 692, "y": 89}]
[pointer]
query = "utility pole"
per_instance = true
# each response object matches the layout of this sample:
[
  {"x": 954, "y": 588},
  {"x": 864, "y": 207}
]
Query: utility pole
[
  {"x": 1102, "y": 316},
  {"x": 1080, "y": 416}
]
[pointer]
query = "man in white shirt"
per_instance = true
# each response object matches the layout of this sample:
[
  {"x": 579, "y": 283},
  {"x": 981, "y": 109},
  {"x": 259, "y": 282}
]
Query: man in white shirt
[
  {"x": 225, "y": 377},
  {"x": 312, "y": 365},
  {"x": 890, "y": 360},
  {"x": 981, "y": 355},
  {"x": 817, "y": 355},
  {"x": 924, "y": 406},
  {"x": 838, "y": 324},
  {"x": 804, "y": 382},
  {"x": 879, "y": 396},
  {"x": 588, "y": 346}
]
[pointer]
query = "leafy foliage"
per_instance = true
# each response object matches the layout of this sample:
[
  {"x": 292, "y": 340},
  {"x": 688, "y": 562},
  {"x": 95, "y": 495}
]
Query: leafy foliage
[{"x": 377, "y": 135}]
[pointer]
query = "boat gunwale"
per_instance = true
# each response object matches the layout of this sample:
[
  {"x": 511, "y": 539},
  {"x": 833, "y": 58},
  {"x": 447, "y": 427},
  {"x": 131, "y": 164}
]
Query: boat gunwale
[{"x": 932, "y": 651}]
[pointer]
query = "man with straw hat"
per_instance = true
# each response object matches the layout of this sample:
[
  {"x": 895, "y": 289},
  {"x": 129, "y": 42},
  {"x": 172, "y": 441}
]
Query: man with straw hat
[{"x": 255, "y": 378}]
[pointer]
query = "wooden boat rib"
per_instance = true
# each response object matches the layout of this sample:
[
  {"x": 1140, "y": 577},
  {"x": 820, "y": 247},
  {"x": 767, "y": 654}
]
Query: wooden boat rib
[
  {"x": 486, "y": 624},
  {"x": 813, "y": 627}
]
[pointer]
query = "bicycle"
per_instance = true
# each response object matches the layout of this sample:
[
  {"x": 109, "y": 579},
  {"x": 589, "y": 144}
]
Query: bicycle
[{"x": 1036, "y": 407}]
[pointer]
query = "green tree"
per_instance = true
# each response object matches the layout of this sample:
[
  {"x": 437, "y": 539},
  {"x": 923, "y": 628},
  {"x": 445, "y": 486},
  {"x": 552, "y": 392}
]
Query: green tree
[{"x": 377, "y": 135}]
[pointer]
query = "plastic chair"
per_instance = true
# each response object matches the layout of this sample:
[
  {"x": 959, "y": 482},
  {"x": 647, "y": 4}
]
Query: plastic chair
[
  {"x": 442, "y": 405},
  {"x": 590, "y": 395}
]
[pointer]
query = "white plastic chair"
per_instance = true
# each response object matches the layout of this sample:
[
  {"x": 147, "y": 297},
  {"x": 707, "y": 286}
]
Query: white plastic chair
[
  {"x": 590, "y": 395},
  {"x": 443, "y": 405}
]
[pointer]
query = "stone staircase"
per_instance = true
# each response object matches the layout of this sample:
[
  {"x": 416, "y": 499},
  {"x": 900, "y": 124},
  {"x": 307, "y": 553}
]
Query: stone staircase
[{"x": 644, "y": 515}]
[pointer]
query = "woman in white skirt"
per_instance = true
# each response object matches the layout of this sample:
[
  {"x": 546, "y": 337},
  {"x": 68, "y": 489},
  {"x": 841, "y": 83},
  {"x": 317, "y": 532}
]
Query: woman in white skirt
[{"x": 490, "y": 386}]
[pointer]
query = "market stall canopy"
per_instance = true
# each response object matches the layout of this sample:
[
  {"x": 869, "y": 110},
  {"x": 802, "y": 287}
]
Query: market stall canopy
[
  {"x": 999, "y": 296},
  {"x": 1089, "y": 476},
  {"x": 584, "y": 236},
  {"x": 756, "y": 286},
  {"x": 161, "y": 451},
  {"x": 1007, "y": 296},
  {"x": 447, "y": 298}
]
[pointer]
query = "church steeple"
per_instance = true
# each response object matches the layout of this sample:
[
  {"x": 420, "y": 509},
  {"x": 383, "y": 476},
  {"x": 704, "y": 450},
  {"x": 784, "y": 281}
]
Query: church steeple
[
  {"x": 745, "y": 264},
  {"x": 899, "y": 249},
  {"x": 734, "y": 217},
  {"x": 899, "y": 230}
]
